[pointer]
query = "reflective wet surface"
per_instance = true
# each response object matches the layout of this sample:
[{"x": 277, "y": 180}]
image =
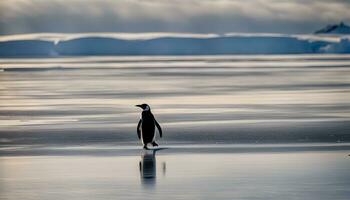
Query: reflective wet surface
[{"x": 148, "y": 175}]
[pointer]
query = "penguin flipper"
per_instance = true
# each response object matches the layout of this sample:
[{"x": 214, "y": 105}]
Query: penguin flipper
[
  {"x": 159, "y": 128},
  {"x": 138, "y": 129}
]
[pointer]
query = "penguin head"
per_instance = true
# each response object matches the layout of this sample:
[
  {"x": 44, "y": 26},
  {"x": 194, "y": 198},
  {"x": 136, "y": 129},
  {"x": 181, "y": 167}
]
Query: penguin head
[{"x": 144, "y": 107}]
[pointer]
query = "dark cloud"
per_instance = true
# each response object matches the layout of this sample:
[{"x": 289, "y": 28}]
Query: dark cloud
[{"x": 201, "y": 16}]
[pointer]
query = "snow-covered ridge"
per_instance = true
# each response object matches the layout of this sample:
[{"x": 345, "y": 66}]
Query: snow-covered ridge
[{"x": 53, "y": 45}]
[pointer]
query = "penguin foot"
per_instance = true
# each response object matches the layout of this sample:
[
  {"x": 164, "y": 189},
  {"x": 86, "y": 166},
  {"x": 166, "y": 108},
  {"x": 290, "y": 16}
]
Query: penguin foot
[
  {"x": 145, "y": 147},
  {"x": 154, "y": 144}
]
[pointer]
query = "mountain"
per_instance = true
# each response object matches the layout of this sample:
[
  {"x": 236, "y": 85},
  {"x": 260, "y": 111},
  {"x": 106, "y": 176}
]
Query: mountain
[
  {"x": 18, "y": 48},
  {"x": 176, "y": 45},
  {"x": 185, "y": 46},
  {"x": 340, "y": 28}
]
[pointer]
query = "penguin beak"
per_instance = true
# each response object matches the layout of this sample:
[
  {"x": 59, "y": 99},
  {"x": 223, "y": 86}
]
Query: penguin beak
[{"x": 138, "y": 106}]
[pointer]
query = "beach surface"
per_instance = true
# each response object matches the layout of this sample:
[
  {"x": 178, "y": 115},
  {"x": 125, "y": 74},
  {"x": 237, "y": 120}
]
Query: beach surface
[
  {"x": 196, "y": 99},
  {"x": 234, "y": 127},
  {"x": 284, "y": 171}
]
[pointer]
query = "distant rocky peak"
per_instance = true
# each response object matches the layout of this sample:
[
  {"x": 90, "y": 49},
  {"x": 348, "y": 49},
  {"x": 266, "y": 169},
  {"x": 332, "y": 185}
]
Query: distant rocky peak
[{"x": 340, "y": 28}]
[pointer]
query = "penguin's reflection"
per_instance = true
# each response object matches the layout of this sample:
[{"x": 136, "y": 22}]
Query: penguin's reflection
[{"x": 148, "y": 167}]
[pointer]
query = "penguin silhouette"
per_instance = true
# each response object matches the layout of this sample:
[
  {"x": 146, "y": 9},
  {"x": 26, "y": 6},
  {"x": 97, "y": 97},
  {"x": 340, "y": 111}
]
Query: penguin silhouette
[{"x": 146, "y": 127}]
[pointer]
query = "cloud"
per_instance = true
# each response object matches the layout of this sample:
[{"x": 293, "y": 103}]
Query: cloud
[{"x": 215, "y": 16}]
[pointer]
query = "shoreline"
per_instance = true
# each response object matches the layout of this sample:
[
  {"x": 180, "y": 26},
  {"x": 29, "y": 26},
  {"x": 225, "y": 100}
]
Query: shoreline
[{"x": 168, "y": 149}]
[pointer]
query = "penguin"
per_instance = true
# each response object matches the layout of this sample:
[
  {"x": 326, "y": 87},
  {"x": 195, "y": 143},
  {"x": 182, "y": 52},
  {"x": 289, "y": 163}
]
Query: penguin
[{"x": 146, "y": 126}]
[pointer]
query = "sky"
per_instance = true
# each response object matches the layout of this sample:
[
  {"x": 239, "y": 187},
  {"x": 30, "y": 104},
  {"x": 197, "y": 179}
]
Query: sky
[{"x": 190, "y": 16}]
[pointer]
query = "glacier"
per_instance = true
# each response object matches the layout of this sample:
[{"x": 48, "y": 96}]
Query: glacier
[{"x": 56, "y": 45}]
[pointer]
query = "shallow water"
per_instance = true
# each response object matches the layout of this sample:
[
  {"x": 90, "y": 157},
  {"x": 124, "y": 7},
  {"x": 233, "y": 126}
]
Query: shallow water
[
  {"x": 197, "y": 99},
  {"x": 255, "y": 175}
]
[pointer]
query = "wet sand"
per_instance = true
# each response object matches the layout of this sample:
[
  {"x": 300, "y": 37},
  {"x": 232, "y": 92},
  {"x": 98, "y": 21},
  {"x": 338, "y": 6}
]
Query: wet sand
[
  {"x": 196, "y": 99},
  {"x": 68, "y": 127},
  {"x": 181, "y": 172}
]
